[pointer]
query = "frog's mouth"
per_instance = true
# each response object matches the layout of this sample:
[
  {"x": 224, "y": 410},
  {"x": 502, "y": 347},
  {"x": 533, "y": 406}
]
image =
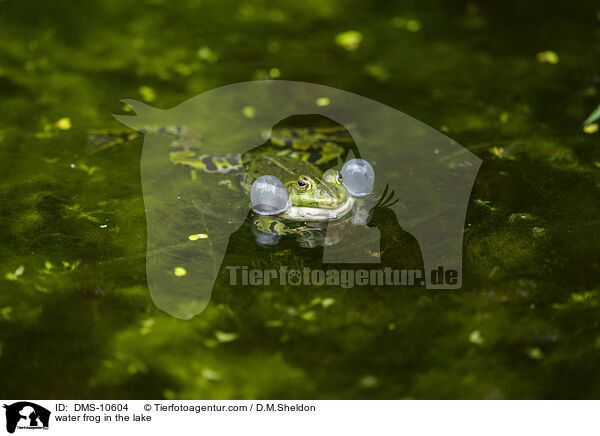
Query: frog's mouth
[{"x": 318, "y": 214}]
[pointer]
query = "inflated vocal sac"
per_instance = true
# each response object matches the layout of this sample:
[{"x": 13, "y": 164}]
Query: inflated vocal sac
[
  {"x": 359, "y": 177},
  {"x": 269, "y": 196}
]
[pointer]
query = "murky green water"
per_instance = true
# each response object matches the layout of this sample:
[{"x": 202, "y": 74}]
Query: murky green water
[{"x": 75, "y": 313}]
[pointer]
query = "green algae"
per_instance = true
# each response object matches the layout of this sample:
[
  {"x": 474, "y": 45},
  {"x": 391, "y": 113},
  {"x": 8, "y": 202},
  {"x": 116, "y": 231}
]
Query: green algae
[{"x": 524, "y": 325}]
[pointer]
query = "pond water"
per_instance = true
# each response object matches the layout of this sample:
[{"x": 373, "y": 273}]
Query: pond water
[{"x": 512, "y": 83}]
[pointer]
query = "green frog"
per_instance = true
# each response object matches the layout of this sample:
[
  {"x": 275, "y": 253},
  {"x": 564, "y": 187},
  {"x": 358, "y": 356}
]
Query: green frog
[
  {"x": 316, "y": 198},
  {"x": 293, "y": 155}
]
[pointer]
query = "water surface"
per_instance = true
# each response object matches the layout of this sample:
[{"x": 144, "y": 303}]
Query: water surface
[{"x": 75, "y": 313}]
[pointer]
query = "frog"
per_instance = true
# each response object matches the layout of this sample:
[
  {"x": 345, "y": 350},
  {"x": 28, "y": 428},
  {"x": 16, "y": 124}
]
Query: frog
[{"x": 296, "y": 156}]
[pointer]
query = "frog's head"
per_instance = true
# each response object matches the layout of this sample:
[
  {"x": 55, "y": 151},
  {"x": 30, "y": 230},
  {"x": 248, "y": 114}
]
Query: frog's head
[
  {"x": 326, "y": 192},
  {"x": 314, "y": 199}
]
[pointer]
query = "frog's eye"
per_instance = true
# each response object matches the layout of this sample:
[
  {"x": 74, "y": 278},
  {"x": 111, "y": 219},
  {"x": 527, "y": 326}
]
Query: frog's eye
[
  {"x": 304, "y": 184},
  {"x": 339, "y": 178}
]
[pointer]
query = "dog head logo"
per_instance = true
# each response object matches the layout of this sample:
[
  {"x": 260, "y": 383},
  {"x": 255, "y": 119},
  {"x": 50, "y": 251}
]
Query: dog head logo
[
  {"x": 430, "y": 174},
  {"x": 26, "y": 415}
]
